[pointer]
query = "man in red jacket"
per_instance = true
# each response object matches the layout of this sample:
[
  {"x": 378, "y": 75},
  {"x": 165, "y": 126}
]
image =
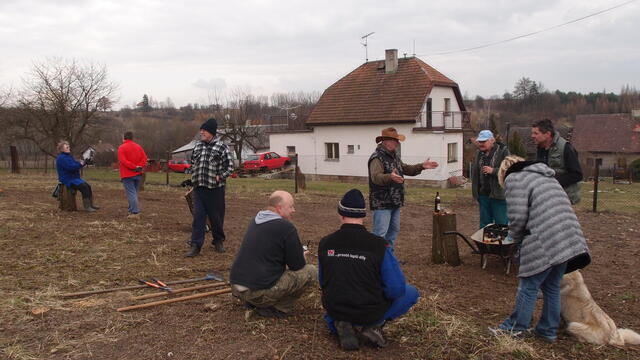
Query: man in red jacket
[{"x": 132, "y": 159}]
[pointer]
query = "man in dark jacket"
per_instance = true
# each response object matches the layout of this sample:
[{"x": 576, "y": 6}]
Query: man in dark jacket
[
  {"x": 484, "y": 177},
  {"x": 362, "y": 284},
  {"x": 211, "y": 164},
  {"x": 558, "y": 153},
  {"x": 386, "y": 183},
  {"x": 270, "y": 271}
]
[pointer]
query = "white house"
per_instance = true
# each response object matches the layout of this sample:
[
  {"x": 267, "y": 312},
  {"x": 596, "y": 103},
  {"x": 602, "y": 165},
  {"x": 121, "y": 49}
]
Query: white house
[{"x": 407, "y": 94}]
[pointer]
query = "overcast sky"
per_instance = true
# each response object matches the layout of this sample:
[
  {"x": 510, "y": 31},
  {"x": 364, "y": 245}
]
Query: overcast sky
[{"x": 183, "y": 49}]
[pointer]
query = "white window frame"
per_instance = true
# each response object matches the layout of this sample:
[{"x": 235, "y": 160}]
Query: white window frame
[
  {"x": 452, "y": 152},
  {"x": 332, "y": 151},
  {"x": 447, "y": 106}
]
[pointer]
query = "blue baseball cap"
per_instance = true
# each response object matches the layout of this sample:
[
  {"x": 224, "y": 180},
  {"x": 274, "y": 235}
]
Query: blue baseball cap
[{"x": 484, "y": 135}]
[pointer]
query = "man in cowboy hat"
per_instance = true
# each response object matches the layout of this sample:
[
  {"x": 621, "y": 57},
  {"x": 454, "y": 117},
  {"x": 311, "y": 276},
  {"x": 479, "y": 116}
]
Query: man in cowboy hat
[{"x": 386, "y": 183}]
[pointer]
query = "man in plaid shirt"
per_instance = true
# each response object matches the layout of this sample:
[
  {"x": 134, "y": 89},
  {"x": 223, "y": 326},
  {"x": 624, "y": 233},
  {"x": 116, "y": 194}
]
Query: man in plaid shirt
[{"x": 211, "y": 164}]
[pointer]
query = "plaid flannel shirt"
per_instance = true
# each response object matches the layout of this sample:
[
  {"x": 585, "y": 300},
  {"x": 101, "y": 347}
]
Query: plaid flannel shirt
[{"x": 207, "y": 161}]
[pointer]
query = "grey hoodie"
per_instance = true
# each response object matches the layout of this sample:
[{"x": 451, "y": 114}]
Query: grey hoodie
[
  {"x": 542, "y": 219},
  {"x": 264, "y": 216}
]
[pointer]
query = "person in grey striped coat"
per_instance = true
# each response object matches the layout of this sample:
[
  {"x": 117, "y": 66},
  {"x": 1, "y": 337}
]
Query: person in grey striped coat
[{"x": 551, "y": 241}]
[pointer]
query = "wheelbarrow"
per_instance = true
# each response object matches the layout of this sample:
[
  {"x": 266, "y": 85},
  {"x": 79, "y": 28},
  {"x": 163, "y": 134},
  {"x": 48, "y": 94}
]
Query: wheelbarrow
[{"x": 491, "y": 240}]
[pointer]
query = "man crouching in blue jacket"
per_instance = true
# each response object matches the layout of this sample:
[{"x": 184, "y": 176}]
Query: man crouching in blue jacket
[{"x": 362, "y": 284}]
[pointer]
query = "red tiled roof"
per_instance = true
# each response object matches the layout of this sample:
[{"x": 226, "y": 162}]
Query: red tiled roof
[
  {"x": 607, "y": 133},
  {"x": 368, "y": 95}
]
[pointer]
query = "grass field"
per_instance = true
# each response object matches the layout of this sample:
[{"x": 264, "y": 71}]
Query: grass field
[{"x": 615, "y": 198}]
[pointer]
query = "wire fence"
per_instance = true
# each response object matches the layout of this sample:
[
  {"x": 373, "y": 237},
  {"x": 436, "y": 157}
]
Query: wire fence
[{"x": 610, "y": 194}]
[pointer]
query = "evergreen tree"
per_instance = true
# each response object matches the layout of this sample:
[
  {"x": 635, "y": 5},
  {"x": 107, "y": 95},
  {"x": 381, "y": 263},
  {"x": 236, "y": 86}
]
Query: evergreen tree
[
  {"x": 516, "y": 147},
  {"x": 144, "y": 104},
  {"x": 493, "y": 126}
]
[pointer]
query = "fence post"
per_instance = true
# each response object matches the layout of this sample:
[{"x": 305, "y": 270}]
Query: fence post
[
  {"x": 167, "y": 166},
  {"x": 595, "y": 185},
  {"x": 15, "y": 165},
  {"x": 295, "y": 172}
]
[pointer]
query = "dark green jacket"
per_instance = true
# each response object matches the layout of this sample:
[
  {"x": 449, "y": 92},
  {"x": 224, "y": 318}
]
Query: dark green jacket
[
  {"x": 556, "y": 161},
  {"x": 497, "y": 192}
]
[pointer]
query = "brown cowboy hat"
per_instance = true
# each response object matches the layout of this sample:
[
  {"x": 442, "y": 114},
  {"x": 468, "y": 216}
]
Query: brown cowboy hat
[{"x": 390, "y": 134}]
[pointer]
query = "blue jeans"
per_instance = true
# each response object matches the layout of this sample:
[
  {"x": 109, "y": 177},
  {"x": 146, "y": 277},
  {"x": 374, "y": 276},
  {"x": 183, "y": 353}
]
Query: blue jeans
[
  {"x": 131, "y": 185},
  {"x": 208, "y": 203},
  {"x": 386, "y": 223},
  {"x": 492, "y": 211},
  {"x": 549, "y": 282},
  {"x": 398, "y": 307}
]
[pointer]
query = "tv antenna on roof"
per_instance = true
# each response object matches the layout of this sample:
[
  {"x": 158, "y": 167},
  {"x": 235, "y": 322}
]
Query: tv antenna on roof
[{"x": 366, "y": 53}]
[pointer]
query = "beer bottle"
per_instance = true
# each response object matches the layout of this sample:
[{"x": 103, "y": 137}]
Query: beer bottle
[{"x": 437, "y": 202}]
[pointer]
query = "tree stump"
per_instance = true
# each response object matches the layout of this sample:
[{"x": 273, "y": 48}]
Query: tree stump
[
  {"x": 444, "y": 248},
  {"x": 67, "y": 199}
]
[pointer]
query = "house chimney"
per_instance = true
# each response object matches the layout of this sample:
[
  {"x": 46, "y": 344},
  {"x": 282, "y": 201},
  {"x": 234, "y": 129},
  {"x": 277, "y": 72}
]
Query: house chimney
[{"x": 391, "y": 61}]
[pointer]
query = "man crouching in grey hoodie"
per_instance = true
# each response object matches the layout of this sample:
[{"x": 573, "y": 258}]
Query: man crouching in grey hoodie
[{"x": 270, "y": 271}]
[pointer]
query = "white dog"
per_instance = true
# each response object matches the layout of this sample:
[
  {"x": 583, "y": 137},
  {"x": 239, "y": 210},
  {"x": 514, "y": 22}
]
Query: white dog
[{"x": 586, "y": 320}]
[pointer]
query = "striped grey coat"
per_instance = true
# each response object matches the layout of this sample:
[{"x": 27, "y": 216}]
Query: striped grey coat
[{"x": 542, "y": 219}]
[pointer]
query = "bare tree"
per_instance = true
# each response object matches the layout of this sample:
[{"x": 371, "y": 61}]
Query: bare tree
[
  {"x": 61, "y": 99},
  {"x": 296, "y": 106},
  {"x": 240, "y": 122}
]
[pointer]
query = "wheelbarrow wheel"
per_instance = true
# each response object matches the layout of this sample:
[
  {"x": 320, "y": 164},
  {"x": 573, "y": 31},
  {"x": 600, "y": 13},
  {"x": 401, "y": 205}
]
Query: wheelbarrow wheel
[{"x": 483, "y": 261}]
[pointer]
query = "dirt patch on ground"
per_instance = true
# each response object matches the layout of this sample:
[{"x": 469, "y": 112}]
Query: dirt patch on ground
[{"x": 46, "y": 252}]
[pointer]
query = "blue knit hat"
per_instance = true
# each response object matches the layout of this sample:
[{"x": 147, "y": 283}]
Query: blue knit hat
[
  {"x": 210, "y": 125},
  {"x": 352, "y": 204}
]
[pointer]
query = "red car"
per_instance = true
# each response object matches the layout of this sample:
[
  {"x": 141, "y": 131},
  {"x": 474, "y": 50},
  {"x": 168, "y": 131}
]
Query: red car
[
  {"x": 178, "y": 165},
  {"x": 265, "y": 162}
]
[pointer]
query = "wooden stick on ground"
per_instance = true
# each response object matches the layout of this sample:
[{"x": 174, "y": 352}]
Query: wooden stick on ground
[
  {"x": 183, "y": 298},
  {"x": 209, "y": 277},
  {"x": 177, "y": 291}
]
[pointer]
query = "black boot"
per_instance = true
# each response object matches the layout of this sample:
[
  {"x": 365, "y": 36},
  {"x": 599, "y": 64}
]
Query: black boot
[
  {"x": 87, "y": 205},
  {"x": 347, "y": 334},
  {"x": 374, "y": 335},
  {"x": 92, "y": 204},
  {"x": 219, "y": 247},
  {"x": 195, "y": 250}
]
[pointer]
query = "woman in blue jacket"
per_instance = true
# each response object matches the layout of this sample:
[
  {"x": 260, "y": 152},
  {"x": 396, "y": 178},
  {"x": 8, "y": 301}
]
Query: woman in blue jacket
[{"x": 69, "y": 175}]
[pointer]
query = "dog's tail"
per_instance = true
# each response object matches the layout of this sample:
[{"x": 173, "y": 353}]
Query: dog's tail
[{"x": 630, "y": 337}]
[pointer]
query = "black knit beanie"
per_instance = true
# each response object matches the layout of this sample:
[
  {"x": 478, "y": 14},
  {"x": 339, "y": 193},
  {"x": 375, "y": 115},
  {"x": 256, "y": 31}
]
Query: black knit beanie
[
  {"x": 210, "y": 125},
  {"x": 352, "y": 204}
]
